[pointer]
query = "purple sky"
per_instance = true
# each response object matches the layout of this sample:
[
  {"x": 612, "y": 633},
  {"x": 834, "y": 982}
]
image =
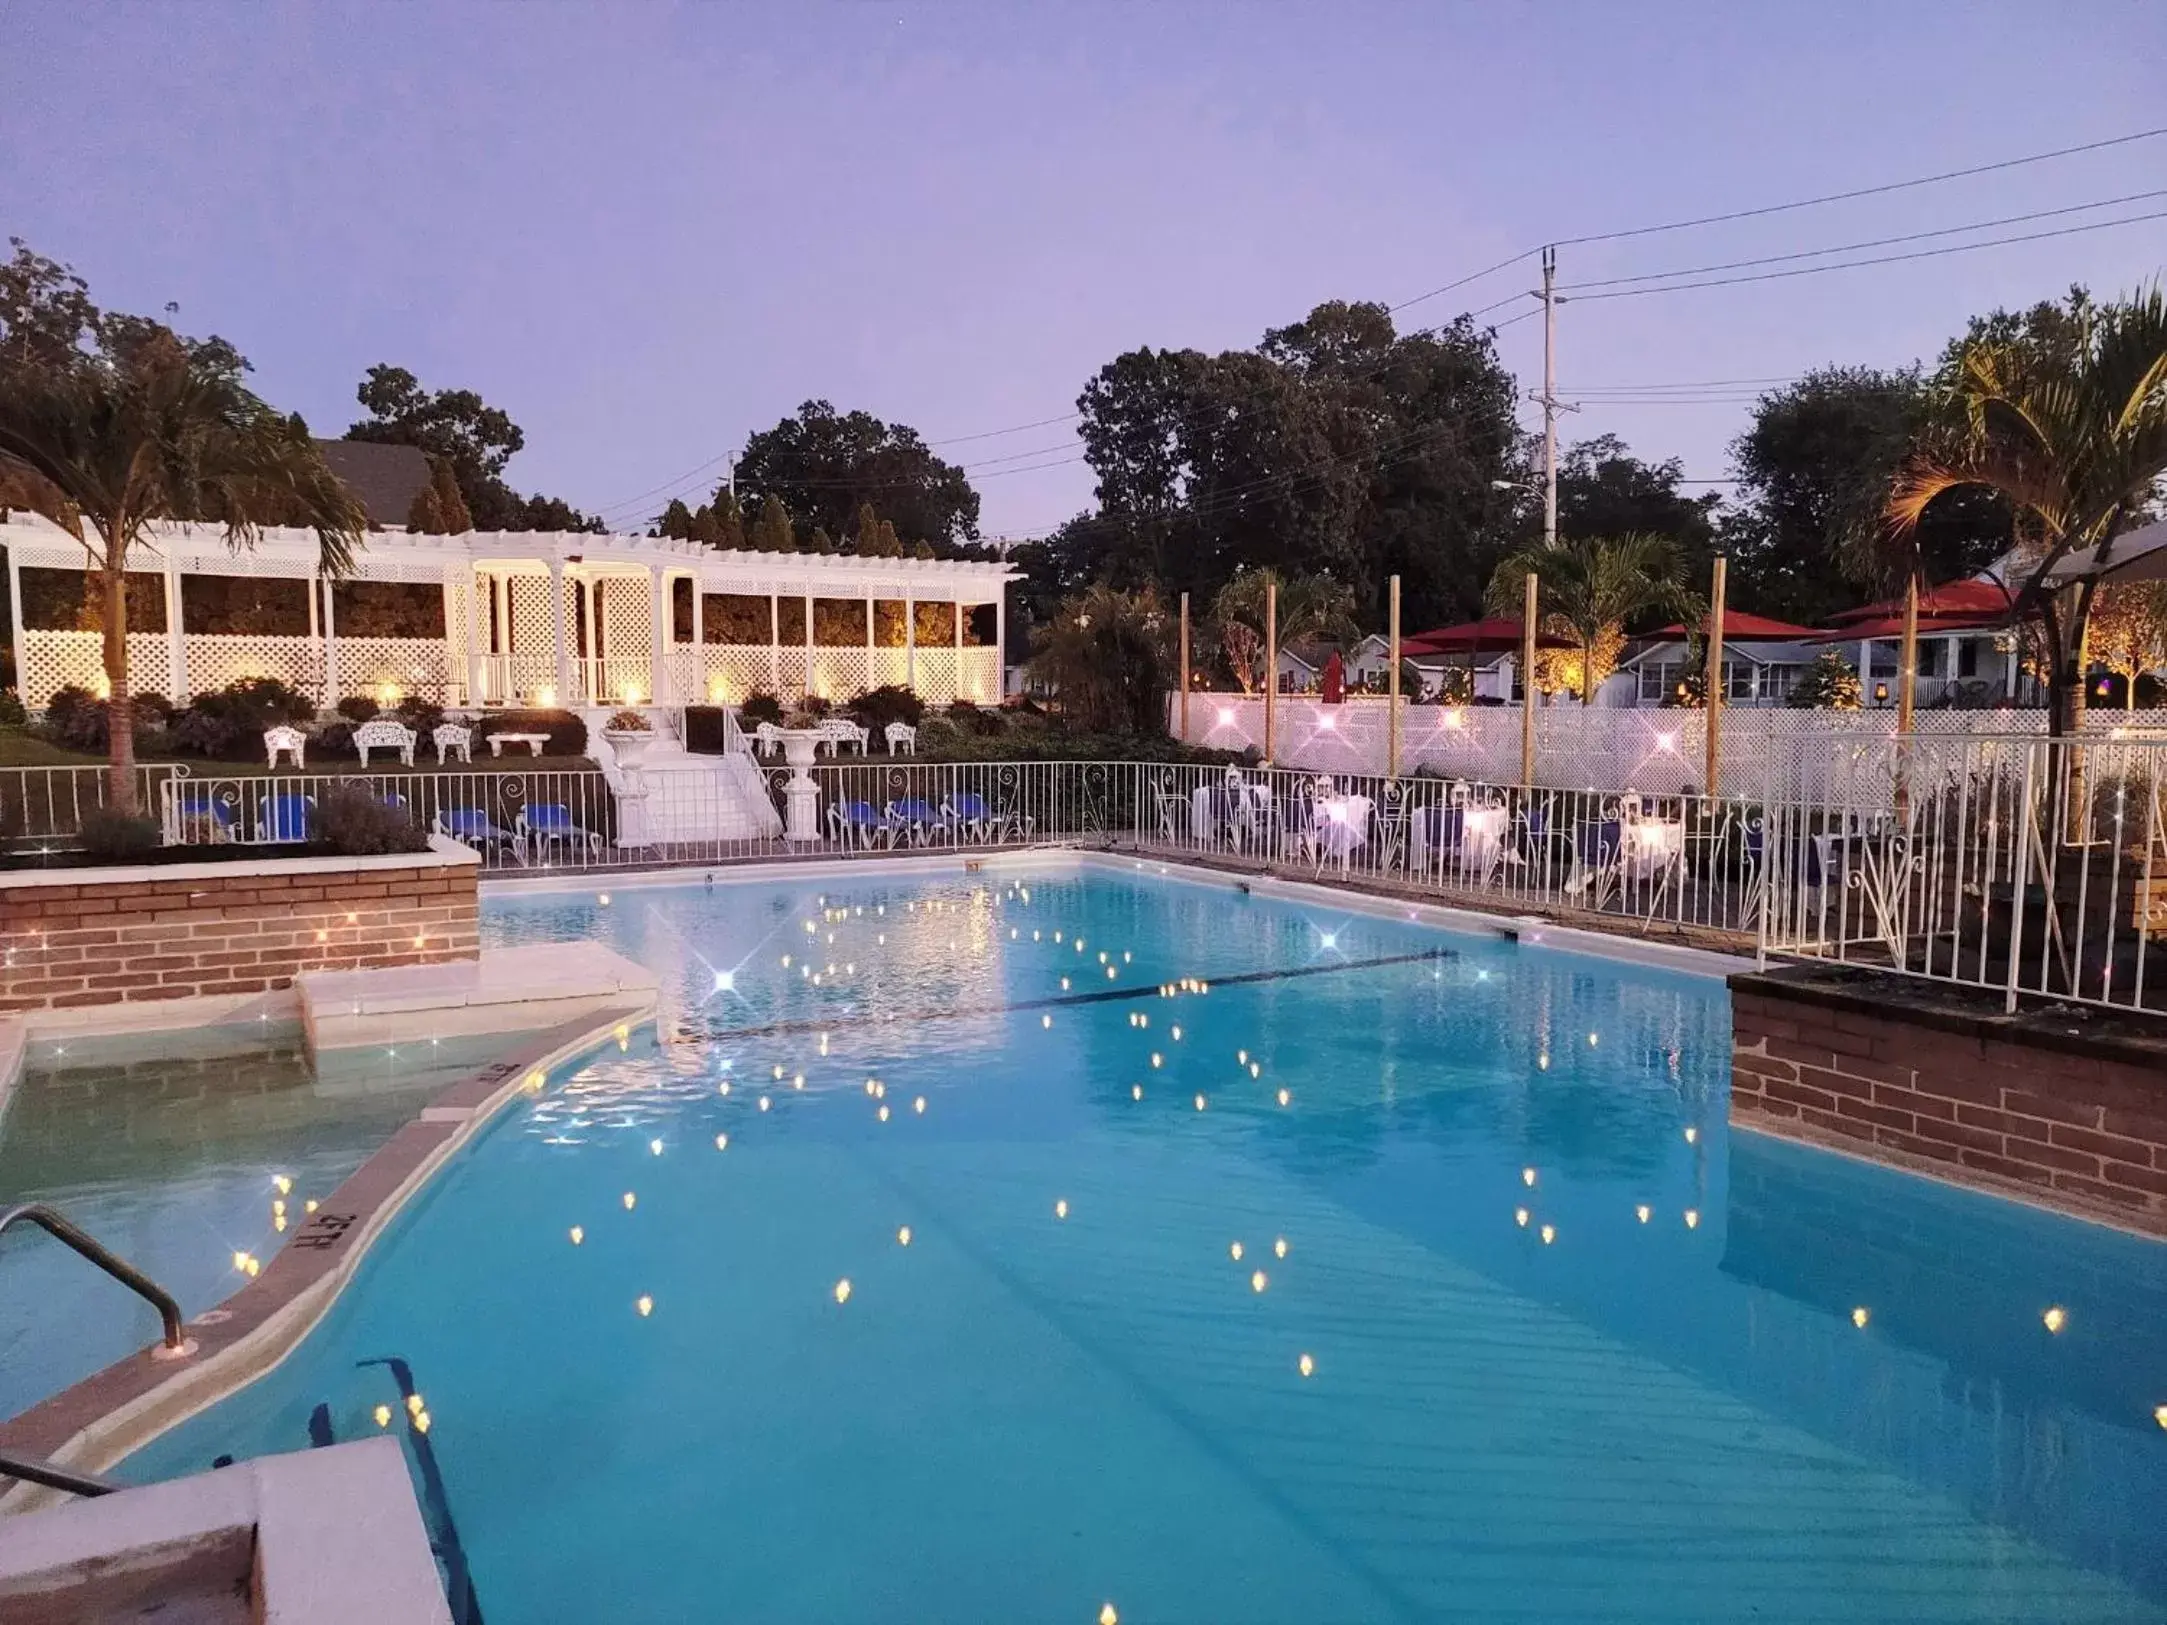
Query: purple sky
[{"x": 648, "y": 230}]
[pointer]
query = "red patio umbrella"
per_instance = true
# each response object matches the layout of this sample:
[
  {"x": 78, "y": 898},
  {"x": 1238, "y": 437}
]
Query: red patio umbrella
[{"x": 1497, "y": 635}]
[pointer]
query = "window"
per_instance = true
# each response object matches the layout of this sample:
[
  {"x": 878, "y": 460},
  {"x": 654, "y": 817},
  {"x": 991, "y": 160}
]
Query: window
[
  {"x": 1658, "y": 678},
  {"x": 1929, "y": 658},
  {"x": 1738, "y": 679},
  {"x": 1777, "y": 681},
  {"x": 1967, "y": 657}
]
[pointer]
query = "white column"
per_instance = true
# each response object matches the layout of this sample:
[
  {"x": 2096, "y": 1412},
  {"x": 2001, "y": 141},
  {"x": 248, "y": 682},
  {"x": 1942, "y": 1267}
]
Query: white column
[
  {"x": 332, "y": 694},
  {"x": 1866, "y": 671},
  {"x": 15, "y": 622},
  {"x": 1000, "y": 647},
  {"x": 807, "y": 601},
  {"x": 474, "y": 636},
  {"x": 658, "y": 642},
  {"x": 775, "y": 644},
  {"x": 176, "y": 642},
  {"x": 556, "y": 628},
  {"x": 872, "y": 671},
  {"x": 910, "y": 643},
  {"x": 1948, "y": 664}
]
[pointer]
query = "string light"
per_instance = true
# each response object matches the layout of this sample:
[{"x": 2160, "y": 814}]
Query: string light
[
  {"x": 382, "y": 1413},
  {"x": 1691, "y": 1134},
  {"x": 1306, "y": 1366},
  {"x": 918, "y": 1105},
  {"x": 902, "y": 1236},
  {"x": 1527, "y": 1177},
  {"x": 722, "y": 1142},
  {"x": 646, "y": 1305},
  {"x": 654, "y": 1147},
  {"x": 1860, "y": 1316},
  {"x": 1549, "y": 1234},
  {"x": 1692, "y": 1218},
  {"x": 1284, "y": 1097},
  {"x": 1235, "y": 1252},
  {"x": 578, "y": 1234},
  {"x": 1279, "y": 1246},
  {"x": 1641, "y": 1213},
  {"x": 1519, "y": 1217},
  {"x": 2055, "y": 1319},
  {"x": 842, "y": 1290},
  {"x": 1200, "y": 1102},
  {"x": 1257, "y": 1282},
  {"x": 631, "y": 1201},
  {"x": 1060, "y": 1208},
  {"x": 1136, "y": 1091}
]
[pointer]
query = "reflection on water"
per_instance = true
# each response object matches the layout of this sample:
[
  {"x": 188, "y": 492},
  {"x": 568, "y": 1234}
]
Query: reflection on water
[
  {"x": 1516, "y": 1330},
  {"x": 167, "y": 1147}
]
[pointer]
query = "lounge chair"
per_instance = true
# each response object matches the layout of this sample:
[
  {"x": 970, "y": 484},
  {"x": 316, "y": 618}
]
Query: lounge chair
[
  {"x": 477, "y": 829},
  {"x": 968, "y": 814},
  {"x": 856, "y": 823},
  {"x": 284, "y": 817},
  {"x": 541, "y": 826},
  {"x": 914, "y": 818}
]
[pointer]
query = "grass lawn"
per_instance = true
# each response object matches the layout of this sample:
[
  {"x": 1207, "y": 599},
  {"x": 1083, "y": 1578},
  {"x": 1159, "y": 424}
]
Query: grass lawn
[{"x": 19, "y": 749}]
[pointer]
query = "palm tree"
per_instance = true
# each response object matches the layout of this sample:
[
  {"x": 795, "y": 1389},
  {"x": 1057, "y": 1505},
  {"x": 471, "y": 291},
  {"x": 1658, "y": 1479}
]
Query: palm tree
[
  {"x": 1590, "y": 588},
  {"x": 152, "y": 427},
  {"x": 2073, "y": 435},
  {"x": 1106, "y": 656},
  {"x": 1310, "y": 606}
]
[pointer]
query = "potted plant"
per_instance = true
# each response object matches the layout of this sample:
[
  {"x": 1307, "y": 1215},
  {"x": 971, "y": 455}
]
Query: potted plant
[{"x": 629, "y": 733}]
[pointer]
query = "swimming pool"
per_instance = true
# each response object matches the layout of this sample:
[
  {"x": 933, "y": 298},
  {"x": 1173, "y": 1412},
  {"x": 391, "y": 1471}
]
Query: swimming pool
[{"x": 1137, "y": 1242}]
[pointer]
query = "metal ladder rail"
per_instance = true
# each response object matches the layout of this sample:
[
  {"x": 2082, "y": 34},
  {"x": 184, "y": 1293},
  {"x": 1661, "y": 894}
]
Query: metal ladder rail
[
  {"x": 35, "y": 1470},
  {"x": 57, "y": 1225}
]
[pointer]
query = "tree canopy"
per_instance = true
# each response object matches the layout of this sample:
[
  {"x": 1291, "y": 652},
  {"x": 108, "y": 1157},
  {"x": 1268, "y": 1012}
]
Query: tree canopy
[
  {"x": 826, "y": 466},
  {"x": 1337, "y": 445},
  {"x": 470, "y": 437}
]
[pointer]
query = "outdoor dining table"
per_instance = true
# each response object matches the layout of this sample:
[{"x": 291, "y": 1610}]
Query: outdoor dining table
[
  {"x": 1217, "y": 808},
  {"x": 1340, "y": 825},
  {"x": 1650, "y": 846},
  {"x": 1482, "y": 849}
]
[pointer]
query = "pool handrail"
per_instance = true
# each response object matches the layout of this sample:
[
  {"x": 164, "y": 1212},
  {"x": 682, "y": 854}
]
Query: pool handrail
[{"x": 64, "y": 1230}]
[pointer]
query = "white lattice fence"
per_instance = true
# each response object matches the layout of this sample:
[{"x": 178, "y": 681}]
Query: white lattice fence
[
  {"x": 402, "y": 666},
  {"x": 533, "y": 627},
  {"x": 837, "y": 674},
  {"x": 50, "y": 660},
  {"x": 730, "y": 671},
  {"x": 215, "y": 659},
  {"x": 627, "y": 620}
]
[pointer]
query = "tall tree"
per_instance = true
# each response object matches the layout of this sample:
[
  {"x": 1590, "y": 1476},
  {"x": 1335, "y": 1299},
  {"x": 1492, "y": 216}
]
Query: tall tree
[
  {"x": 2063, "y": 415},
  {"x": 1337, "y": 445},
  {"x": 133, "y": 423},
  {"x": 474, "y": 439},
  {"x": 1309, "y": 606},
  {"x": 1593, "y": 588},
  {"x": 773, "y": 530},
  {"x": 1814, "y": 473},
  {"x": 826, "y": 465},
  {"x": 438, "y": 508},
  {"x": 1604, "y": 490}
]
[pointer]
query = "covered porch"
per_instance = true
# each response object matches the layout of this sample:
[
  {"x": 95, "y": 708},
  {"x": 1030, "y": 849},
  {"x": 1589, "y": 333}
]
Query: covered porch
[{"x": 510, "y": 619}]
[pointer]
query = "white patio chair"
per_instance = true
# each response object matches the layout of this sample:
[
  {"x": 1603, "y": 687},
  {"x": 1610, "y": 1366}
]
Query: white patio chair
[
  {"x": 287, "y": 740},
  {"x": 381, "y": 733},
  {"x": 450, "y": 737},
  {"x": 902, "y": 739},
  {"x": 767, "y": 738}
]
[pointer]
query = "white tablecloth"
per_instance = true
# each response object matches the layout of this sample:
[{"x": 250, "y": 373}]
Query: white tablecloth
[
  {"x": 1652, "y": 845},
  {"x": 1206, "y": 800},
  {"x": 1482, "y": 848},
  {"x": 1341, "y": 824}
]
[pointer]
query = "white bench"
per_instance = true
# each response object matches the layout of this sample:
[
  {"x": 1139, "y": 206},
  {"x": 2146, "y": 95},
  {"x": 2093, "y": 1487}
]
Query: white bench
[
  {"x": 381, "y": 733},
  {"x": 902, "y": 737},
  {"x": 286, "y": 740},
  {"x": 837, "y": 732},
  {"x": 449, "y": 738},
  {"x": 533, "y": 742}
]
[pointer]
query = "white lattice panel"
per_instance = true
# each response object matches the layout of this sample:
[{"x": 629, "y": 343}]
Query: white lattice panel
[
  {"x": 47, "y": 661},
  {"x": 887, "y": 668},
  {"x": 790, "y": 671},
  {"x": 533, "y": 630},
  {"x": 936, "y": 683},
  {"x": 730, "y": 671},
  {"x": 412, "y": 666},
  {"x": 215, "y": 659},
  {"x": 979, "y": 677},
  {"x": 458, "y": 595},
  {"x": 837, "y": 674},
  {"x": 627, "y": 619}
]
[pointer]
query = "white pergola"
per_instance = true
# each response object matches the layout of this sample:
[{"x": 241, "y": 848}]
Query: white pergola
[{"x": 538, "y": 618}]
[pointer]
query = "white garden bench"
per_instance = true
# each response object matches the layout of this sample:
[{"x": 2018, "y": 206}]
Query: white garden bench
[
  {"x": 533, "y": 742},
  {"x": 288, "y": 740},
  {"x": 902, "y": 739},
  {"x": 381, "y": 733},
  {"x": 836, "y": 733},
  {"x": 450, "y": 738}
]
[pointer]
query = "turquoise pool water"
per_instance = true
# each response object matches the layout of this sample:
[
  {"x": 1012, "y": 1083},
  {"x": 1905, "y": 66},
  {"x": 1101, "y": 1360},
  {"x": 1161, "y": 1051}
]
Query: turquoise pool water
[
  {"x": 168, "y": 1148},
  {"x": 1544, "y": 1342}
]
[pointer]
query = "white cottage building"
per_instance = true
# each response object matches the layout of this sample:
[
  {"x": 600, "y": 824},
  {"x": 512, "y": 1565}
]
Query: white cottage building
[{"x": 511, "y": 618}]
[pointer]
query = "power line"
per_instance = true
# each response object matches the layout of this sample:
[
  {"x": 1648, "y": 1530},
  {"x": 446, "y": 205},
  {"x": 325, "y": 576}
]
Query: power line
[
  {"x": 1883, "y": 259},
  {"x": 1870, "y": 242}
]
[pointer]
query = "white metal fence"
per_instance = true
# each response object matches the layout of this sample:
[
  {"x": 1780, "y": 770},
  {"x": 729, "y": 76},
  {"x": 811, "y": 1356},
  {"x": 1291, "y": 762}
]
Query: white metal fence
[{"x": 2016, "y": 865}]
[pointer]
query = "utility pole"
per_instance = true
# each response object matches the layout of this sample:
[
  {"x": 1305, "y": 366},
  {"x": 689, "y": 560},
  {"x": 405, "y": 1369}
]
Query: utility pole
[{"x": 1548, "y": 399}]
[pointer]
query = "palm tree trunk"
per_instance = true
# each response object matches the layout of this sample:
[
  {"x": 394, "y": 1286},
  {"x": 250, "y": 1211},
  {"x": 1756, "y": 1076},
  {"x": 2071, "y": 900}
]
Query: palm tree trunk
[
  {"x": 119, "y": 711},
  {"x": 1587, "y": 672}
]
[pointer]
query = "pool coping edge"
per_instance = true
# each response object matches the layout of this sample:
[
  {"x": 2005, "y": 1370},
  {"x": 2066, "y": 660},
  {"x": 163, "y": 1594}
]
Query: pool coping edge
[{"x": 105, "y": 1417}]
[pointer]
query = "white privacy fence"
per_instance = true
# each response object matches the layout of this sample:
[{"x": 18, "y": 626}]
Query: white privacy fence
[
  {"x": 1767, "y": 753},
  {"x": 2012, "y": 865}
]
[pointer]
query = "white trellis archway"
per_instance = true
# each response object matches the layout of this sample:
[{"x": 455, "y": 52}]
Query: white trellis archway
[{"x": 544, "y": 618}]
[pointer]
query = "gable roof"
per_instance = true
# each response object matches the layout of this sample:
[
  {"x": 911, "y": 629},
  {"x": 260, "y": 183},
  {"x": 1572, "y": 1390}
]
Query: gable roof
[
  {"x": 1740, "y": 627},
  {"x": 385, "y": 479}
]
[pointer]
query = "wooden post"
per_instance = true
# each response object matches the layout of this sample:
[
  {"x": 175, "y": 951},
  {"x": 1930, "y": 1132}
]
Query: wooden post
[
  {"x": 1271, "y": 665},
  {"x": 1184, "y": 732},
  {"x": 1907, "y": 680},
  {"x": 1712, "y": 697},
  {"x": 1392, "y": 690},
  {"x": 1528, "y": 609}
]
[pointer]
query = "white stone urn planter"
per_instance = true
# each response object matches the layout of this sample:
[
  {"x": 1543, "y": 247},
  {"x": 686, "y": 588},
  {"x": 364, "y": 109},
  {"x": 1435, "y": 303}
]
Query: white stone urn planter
[
  {"x": 629, "y": 744},
  {"x": 801, "y": 796}
]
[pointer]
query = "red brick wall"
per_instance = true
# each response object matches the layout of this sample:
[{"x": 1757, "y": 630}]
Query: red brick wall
[
  {"x": 2072, "y": 1128},
  {"x": 227, "y": 928}
]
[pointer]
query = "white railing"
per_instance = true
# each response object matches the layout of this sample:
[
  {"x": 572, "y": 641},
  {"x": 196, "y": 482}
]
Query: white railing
[
  {"x": 2021, "y": 866},
  {"x": 2018, "y": 866}
]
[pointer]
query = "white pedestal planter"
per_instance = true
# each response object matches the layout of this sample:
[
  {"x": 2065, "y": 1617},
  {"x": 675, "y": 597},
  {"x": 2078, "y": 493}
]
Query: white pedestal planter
[
  {"x": 629, "y": 744},
  {"x": 801, "y": 796}
]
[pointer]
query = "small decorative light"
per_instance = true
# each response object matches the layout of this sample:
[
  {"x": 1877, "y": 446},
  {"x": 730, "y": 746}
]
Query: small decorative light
[
  {"x": 1255, "y": 1071},
  {"x": 1594, "y": 1039},
  {"x": 1257, "y": 1282},
  {"x": 1177, "y": 1035},
  {"x": 631, "y": 1201},
  {"x": 1235, "y": 1252},
  {"x": 382, "y": 1413},
  {"x": 1549, "y": 1234},
  {"x": 1107, "y": 1616},
  {"x": 1157, "y": 1059},
  {"x": 764, "y": 1103},
  {"x": 1859, "y": 1317},
  {"x": 1241, "y": 1057},
  {"x": 421, "y": 1421},
  {"x": 1200, "y": 1102},
  {"x": 1306, "y": 1366},
  {"x": 842, "y": 1290},
  {"x": 1641, "y": 1213},
  {"x": 1045, "y": 1021},
  {"x": 2055, "y": 1319},
  {"x": 1279, "y": 1246},
  {"x": 1111, "y": 973},
  {"x": 918, "y": 1105},
  {"x": 413, "y": 1404},
  {"x": 786, "y": 961},
  {"x": 1692, "y": 1218},
  {"x": 578, "y": 1234},
  {"x": 654, "y": 1148},
  {"x": 1542, "y": 1061},
  {"x": 1284, "y": 1097},
  {"x": 284, "y": 1182},
  {"x": 725, "y": 981},
  {"x": 309, "y": 1206},
  {"x": 1692, "y": 1134},
  {"x": 722, "y": 1142},
  {"x": 1527, "y": 1177},
  {"x": 1064, "y": 984},
  {"x": 646, "y": 1305},
  {"x": 1519, "y": 1217},
  {"x": 603, "y": 899},
  {"x": 884, "y": 1114},
  {"x": 253, "y": 1267},
  {"x": 2159, "y": 1415},
  {"x": 1136, "y": 1091}
]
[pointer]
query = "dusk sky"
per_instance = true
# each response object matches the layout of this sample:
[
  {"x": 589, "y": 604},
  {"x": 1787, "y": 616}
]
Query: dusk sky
[{"x": 647, "y": 231}]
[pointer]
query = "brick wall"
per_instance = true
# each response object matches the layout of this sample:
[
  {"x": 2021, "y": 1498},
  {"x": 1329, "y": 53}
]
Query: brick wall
[
  {"x": 2078, "y": 1124},
  {"x": 122, "y": 935}
]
